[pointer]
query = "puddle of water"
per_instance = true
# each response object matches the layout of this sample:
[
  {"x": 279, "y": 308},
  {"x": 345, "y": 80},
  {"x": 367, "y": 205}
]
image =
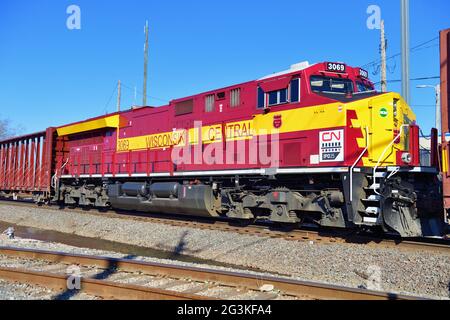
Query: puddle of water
[{"x": 106, "y": 245}]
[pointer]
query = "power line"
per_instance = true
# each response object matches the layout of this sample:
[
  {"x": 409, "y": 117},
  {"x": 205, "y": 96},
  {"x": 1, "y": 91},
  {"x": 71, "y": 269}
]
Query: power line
[
  {"x": 105, "y": 109},
  {"x": 427, "y": 47},
  {"x": 413, "y": 49},
  {"x": 414, "y": 79},
  {"x": 152, "y": 97},
  {"x": 423, "y": 105},
  {"x": 424, "y": 43},
  {"x": 109, "y": 100}
]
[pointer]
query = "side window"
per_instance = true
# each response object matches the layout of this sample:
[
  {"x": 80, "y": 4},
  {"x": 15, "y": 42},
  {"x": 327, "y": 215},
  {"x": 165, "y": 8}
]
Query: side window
[
  {"x": 221, "y": 95},
  {"x": 261, "y": 98},
  {"x": 209, "y": 103},
  {"x": 295, "y": 90},
  {"x": 235, "y": 97},
  {"x": 184, "y": 107},
  {"x": 289, "y": 94},
  {"x": 277, "y": 97}
]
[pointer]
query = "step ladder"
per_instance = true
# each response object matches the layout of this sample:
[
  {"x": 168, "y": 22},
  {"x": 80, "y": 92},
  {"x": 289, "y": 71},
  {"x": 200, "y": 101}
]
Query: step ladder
[{"x": 372, "y": 201}]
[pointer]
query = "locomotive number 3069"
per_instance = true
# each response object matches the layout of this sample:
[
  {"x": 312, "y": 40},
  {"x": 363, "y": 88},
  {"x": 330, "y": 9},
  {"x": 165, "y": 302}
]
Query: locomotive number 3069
[{"x": 336, "y": 67}]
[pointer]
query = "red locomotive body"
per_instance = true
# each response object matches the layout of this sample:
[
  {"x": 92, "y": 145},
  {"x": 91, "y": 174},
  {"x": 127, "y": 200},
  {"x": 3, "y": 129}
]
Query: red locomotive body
[
  {"x": 225, "y": 115},
  {"x": 313, "y": 143}
]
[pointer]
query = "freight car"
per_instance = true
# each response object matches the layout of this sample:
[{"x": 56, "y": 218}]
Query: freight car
[{"x": 312, "y": 144}]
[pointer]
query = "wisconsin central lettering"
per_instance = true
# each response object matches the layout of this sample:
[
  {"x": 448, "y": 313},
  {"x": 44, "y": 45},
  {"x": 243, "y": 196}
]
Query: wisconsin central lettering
[
  {"x": 239, "y": 130},
  {"x": 233, "y": 131},
  {"x": 209, "y": 134},
  {"x": 164, "y": 140}
]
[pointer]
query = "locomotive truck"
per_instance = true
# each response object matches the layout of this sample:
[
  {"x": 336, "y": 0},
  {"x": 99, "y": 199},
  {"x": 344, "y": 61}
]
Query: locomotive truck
[{"x": 312, "y": 144}]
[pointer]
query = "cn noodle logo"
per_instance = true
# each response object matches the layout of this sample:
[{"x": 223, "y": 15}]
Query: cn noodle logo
[
  {"x": 331, "y": 145},
  {"x": 331, "y": 135}
]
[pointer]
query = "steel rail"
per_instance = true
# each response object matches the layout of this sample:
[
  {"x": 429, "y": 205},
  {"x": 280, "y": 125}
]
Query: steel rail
[
  {"x": 101, "y": 288},
  {"x": 236, "y": 279},
  {"x": 263, "y": 230}
]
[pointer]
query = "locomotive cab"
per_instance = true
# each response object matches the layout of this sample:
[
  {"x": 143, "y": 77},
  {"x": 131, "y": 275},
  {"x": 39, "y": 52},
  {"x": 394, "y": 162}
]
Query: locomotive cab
[
  {"x": 388, "y": 184},
  {"x": 339, "y": 82}
]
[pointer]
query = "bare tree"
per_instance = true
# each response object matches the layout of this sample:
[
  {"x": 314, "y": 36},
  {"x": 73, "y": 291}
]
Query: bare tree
[{"x": 6, "y": 130}]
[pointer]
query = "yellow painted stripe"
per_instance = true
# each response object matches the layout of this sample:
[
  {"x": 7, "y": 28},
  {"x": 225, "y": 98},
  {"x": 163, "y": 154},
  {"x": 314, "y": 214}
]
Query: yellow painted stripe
[
  {"x": 153, "y": 141},
  {"x": 300, "y": 119},
  {"x": 106, "y": 122},
  {"x": 445, "y": 161}
]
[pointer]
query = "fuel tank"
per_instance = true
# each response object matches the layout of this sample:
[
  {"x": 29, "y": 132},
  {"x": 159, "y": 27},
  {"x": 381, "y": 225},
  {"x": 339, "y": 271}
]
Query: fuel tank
[{"x": 165, "y": 197}]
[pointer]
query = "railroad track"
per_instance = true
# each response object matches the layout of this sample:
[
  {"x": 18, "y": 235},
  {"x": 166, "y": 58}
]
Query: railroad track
[
  {"x": 113, "y": 278},
  {"x": 426, "y": 244}
]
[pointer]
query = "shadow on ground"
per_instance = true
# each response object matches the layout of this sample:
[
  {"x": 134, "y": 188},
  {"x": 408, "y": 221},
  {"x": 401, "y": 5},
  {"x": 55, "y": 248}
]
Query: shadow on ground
[{"x": 102, "y": 275}]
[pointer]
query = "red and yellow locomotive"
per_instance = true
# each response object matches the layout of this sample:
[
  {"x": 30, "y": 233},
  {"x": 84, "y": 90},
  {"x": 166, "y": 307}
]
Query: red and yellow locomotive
[{"x": 312, "y": 144}]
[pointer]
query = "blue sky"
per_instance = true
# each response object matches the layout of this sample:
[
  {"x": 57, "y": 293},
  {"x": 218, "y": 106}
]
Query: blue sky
[{"x": 50, "y": 75}]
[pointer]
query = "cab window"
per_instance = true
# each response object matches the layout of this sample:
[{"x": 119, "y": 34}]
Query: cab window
[
  {"x": 331, "y": 85},
  {"x": 362, "y": 87}
]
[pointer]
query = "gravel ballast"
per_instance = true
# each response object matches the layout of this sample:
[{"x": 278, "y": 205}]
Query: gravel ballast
[
  {"x": 127, "y": 277},
  {"x": 21, "y": 291},
  {"x": 24, "y": 291},
  {"x": 356, "y": 265}
]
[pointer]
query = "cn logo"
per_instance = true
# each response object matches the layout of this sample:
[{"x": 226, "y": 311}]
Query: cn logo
[
  {"x": 330, "y": 135},
  {"x": 331, "y": 146}
]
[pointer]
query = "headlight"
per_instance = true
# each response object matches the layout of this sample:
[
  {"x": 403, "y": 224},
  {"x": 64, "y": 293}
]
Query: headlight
[{"x": 406, "y": 157}]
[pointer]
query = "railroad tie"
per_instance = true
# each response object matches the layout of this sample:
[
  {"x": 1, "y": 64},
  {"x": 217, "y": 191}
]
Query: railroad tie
[
  {"x": 266, "y": 296},
  {"x": 199, "y": 287},
  {"x": 171, "y": 284}
]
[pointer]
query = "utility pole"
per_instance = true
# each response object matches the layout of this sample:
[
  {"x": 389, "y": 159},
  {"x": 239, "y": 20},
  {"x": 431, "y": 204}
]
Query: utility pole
[
  {"x": 437, "y": 91},
  {"x": 144, "y": 98},
  {"x": 118, "y": 96},
  {"x": 405, "y": 49},
  {"x": 383, "y": 58}
]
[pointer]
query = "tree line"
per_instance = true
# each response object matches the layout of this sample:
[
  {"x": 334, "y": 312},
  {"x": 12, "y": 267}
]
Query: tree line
[{"x": 6, "y": 129}]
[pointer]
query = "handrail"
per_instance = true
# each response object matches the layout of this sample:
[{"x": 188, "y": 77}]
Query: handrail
[
  {"x": 356, "y": 162},
  {"x": 384, "y": 151},
  {"x": 54, "y": 178}
]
